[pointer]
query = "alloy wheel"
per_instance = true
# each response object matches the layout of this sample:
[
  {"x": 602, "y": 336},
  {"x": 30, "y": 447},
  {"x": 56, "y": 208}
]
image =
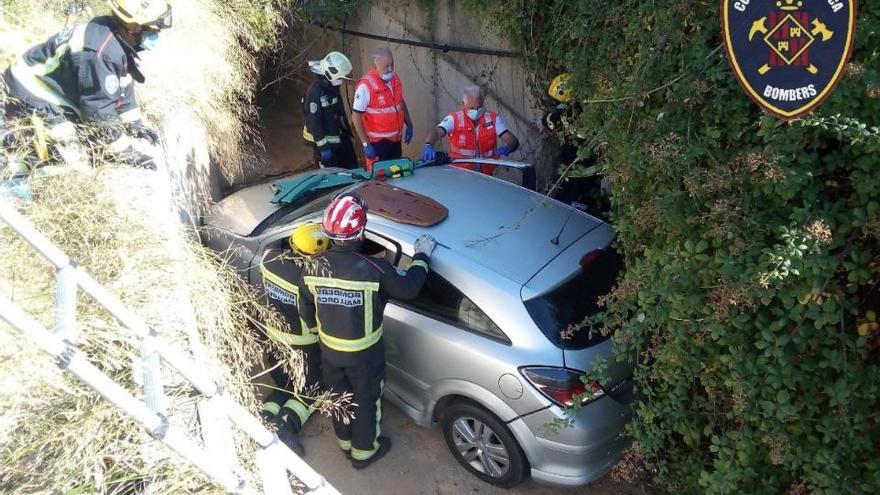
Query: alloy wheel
[{"x": 479, "y": 446}]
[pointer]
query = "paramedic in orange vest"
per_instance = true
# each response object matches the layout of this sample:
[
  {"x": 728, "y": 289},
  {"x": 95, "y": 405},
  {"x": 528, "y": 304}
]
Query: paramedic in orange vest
[
  {"x": 473, "y": 132},
  {"x": 379, "y": 111}
]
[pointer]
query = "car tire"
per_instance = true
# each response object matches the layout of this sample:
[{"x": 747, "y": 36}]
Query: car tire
[{"x": 483, "y": 445}]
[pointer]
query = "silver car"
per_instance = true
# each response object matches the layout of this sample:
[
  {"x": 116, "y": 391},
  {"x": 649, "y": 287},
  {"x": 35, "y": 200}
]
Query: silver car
[{"x": 486, "y": 349}]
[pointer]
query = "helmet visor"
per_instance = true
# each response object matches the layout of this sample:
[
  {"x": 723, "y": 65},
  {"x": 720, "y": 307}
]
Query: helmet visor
[{"x": 163, "y": 22}]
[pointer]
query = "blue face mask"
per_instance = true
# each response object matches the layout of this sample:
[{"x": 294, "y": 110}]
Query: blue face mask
[
  {"x": 387, "y": 76},
  {"x": 149, "y": 40}
]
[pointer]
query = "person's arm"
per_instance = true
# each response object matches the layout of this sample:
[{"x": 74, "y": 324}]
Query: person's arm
[
  {"x": 406, "y": 119},
  {"x": 405, "y": 285},
  {"x": 509, "y": 142},
  {"x": 306, "y": 308},
  {"x": 314, "y": 116},
  {"x": 436, "y": 134},
  {"x": 358, "y": 107}
]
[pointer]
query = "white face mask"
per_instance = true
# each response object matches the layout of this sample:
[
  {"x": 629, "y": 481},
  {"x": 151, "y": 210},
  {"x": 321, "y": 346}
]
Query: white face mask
[
  {"x": 474, "y": 113},
  {"x": 337, "y": 82},
  {"x": 387, "y": 76}
]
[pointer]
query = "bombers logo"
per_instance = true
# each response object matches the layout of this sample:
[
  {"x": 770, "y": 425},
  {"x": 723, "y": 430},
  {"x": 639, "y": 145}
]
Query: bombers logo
[{"x": 788, "y": 54}]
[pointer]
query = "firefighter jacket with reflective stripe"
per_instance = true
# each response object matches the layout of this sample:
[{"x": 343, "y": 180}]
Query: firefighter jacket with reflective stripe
[
  {"x": 344, "y": 295},
  {"x": 281, "y": 277},
  {"x": 326, "y": 123},
  {"x": 384, "y": 117},
  {"x": 87, "y": 68}
]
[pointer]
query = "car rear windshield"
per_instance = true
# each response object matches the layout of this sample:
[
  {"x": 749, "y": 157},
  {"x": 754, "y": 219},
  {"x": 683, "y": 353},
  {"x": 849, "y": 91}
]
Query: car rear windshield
[{"x": 558, "y": 312}]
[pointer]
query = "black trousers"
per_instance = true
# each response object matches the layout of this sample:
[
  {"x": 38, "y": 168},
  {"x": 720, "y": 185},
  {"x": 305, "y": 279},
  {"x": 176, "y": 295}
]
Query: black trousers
[
  {"x": 387, "y": 150},
  {"x": 365, "y": 382},
  {"x": 343, "y": 155},
  {"x": 295, "y": 408}
]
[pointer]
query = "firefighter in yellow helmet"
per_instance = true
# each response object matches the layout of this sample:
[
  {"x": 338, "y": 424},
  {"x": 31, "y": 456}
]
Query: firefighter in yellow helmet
[
  {"x": 592, "y": 192},
  {"x": 287, "y": 409},
  {"x": 85, "y": 74},
  {"x": 326, "y": 127}
]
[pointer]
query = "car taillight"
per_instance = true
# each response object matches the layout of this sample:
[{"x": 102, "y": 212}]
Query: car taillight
[
  {"x": 588, "y": 259},
  {"x": 562, "y": 385}
]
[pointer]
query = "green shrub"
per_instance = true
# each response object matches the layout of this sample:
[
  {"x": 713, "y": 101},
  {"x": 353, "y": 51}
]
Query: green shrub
[{"x": 752, "y": 245}]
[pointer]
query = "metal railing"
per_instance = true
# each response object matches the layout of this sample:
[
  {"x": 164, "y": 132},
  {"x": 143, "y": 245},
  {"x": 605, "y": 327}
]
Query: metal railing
[{"x": 274, "y": 459}]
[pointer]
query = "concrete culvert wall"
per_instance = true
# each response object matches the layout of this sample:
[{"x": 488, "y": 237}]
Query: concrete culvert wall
[{"x": 433, "y": 79}]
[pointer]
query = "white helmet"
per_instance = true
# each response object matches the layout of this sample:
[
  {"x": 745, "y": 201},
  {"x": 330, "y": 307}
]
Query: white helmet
[{"x": 334, "y": 66}]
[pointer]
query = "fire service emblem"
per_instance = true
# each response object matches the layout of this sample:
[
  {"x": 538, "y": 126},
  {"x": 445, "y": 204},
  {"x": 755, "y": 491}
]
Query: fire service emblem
[{"x": 788, "y": 54}]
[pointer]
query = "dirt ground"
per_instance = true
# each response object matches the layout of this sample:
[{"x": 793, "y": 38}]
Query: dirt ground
[{"x": 418, "y": 464}]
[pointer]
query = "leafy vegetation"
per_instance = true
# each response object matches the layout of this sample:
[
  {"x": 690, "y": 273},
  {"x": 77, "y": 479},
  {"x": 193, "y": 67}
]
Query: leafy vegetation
[{"x": 752, "y": 245}]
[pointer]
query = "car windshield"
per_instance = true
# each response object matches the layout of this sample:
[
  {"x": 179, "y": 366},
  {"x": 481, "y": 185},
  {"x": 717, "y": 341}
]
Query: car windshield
[
  {"x": 560, "y": 311},
  {"x": 305, "y": 205}
]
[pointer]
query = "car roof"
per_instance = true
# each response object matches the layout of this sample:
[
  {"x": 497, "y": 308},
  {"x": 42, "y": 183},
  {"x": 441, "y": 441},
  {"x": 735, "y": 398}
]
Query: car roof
[
  {"x": 499, "y": 225},
  {"x": 241, "y": 212},
  {"x": 496, "y": 224}
]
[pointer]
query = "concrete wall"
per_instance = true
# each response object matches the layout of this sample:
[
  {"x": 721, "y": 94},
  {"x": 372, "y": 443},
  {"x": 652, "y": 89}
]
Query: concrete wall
[{"x": 434, "y": 80}]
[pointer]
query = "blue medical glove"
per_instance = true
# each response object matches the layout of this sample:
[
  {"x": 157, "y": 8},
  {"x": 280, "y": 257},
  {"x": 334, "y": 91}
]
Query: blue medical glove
[
  {"x": 370, "y": 152},
  {"x": 503, "y": 150},
  {"x": 408, "y": 134},
  {"x": 326, "y": 155},
  {"x": 428, "y": 152}
]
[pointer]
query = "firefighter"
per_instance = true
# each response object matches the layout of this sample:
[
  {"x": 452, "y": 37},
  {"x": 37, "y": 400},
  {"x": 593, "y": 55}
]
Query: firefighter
[
  {"x": 345, "y": 299},
  {"x": 590, "y": 193},
  {"x": 85, "y": 74},
  {"x": 326, "y": 125},
  {"x": 379, "y": 111},
  {"x": 473, "y": 132},
  {"x": 289, "y": 411}
]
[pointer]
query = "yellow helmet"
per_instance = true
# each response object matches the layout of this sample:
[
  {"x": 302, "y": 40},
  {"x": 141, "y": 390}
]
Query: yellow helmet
[
  {"x": 559, "y": 89},
  {"x": 309, "y": 240},
  {"x": 151, "y": 14}
]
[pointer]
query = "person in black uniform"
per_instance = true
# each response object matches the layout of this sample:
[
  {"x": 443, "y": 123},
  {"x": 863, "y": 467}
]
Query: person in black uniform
[
  {"x": 85, "y": 74},
  {"x": 327, "y": 128},
  {"x": 345, "y": 300},
  {"x": 286, "y": 409}
]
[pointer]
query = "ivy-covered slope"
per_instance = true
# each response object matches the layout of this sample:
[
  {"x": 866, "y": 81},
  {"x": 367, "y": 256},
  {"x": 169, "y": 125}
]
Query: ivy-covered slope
[{"x": 752, "y": 245}]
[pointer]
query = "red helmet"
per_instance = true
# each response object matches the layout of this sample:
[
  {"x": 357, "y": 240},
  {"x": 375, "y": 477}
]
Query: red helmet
[{"x": 345, "y": 218}]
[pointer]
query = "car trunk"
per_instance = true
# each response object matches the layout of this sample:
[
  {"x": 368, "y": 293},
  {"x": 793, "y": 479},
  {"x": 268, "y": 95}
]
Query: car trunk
[{"x": 565, "y": 293}]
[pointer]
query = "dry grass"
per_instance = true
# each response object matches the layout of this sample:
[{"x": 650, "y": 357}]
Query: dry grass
[{"x": 57, "y": 436}]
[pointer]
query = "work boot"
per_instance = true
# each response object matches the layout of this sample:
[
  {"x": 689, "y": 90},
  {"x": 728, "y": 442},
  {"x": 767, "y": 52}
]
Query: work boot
[
  {"x": 384, "y": 447},
  {"x": 291, "y": 439}
]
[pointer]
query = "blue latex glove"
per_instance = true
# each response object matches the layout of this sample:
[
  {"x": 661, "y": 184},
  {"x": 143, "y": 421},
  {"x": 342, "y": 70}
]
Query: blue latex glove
[
  {"x": 326, "y": 155},
  {"x": 428, "y": 152},
  {"x": 503, "y": 150},
  {"x": 408, "y": 134},
  {"x": 370, "y": 152}
]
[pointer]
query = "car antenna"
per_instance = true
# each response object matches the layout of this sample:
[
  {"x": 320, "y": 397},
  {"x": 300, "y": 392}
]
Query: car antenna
[{"x": 555, "y": 240}]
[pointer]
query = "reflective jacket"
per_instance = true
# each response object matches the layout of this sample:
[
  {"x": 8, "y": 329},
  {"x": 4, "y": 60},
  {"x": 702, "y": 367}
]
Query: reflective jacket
[
  {"x": 326, "y": 123},
  {"x": 384, "y": 117},
  {"x": 473, "y": 140},
  {"x": 281, "y": 277},
  {"x": 344, "y": 296},
  {"x": 87, "y": 69}
]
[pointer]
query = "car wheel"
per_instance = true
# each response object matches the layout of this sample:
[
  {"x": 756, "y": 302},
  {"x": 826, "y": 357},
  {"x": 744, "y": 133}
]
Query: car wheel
[{"x": 483, "y": 445}]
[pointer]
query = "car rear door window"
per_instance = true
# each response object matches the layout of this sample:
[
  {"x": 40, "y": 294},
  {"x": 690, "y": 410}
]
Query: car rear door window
[{"x": 442, "y": 301}]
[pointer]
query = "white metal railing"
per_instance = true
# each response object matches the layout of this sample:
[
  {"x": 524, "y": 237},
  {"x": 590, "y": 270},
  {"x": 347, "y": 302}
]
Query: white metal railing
[{"x": 274, "y": 459}]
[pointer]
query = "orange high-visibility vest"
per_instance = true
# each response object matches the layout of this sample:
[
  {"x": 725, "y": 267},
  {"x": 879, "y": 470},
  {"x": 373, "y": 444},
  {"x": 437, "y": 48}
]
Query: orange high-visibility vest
[
  {"x": 470, "y": 140},
  {"x": 384, "y": 117}
]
